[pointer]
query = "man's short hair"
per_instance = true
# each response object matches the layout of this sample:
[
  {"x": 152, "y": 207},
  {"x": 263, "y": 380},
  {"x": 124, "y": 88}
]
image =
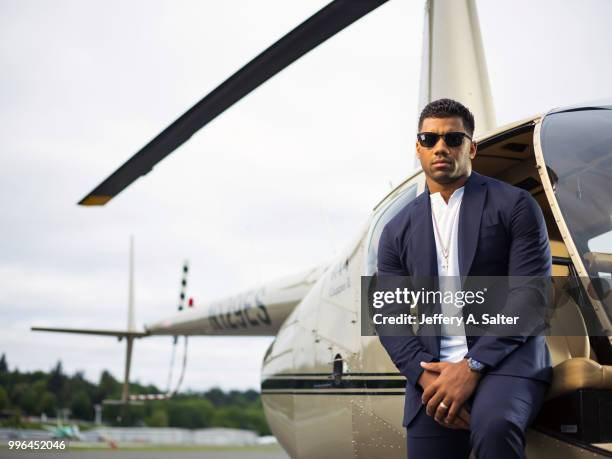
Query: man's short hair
[{"x": 448, "y": 108}]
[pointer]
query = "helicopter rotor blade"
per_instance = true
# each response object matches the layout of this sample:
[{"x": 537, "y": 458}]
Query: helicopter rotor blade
[{"x": 318, "y": 28}]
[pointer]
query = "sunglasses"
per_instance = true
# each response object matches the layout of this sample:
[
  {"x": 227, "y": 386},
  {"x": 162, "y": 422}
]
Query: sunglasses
[{"x": 452, "y": 139}]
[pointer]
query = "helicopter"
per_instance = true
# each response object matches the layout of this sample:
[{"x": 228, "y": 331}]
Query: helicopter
[
  {"x": 328, "y": 391},
  {"x": 61, "y": 432}
]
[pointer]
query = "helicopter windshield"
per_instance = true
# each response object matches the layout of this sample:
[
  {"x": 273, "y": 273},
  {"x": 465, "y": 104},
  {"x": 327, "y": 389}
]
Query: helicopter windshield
[
  {"x": 381, "y": 218},
  {"x": 577, "y": 148}
]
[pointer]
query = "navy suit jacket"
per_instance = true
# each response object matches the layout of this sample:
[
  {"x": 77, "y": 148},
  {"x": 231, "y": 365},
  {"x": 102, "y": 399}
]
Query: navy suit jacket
[{"x": 501, "y": 233}]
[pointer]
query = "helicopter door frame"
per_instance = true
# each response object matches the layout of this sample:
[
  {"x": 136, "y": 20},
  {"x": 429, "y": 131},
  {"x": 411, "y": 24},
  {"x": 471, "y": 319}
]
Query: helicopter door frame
[{"x": 562, "y": 225}]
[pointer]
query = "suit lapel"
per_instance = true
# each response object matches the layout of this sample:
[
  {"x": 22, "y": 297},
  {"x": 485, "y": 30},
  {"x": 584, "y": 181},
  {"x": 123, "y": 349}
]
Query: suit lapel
[
  {"x": 425, "y": 266},
  {"x": 425, "y": 261},
  {"x": 470, "y": 215}
]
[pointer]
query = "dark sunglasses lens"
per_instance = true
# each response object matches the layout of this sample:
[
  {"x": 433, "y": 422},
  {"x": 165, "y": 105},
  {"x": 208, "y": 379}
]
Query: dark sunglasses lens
[
  {"x": 428, "y": 140},
  {"x": 453, "y": 139}
]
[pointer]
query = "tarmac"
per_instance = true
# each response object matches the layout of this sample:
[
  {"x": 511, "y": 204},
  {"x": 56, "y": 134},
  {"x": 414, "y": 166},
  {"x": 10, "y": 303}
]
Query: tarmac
[{"x": 255, "y": 452}]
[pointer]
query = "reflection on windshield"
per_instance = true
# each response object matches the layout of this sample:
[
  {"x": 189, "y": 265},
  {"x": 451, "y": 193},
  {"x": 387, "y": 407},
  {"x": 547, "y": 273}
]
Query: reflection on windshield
[{"x": 577, "y": 148}]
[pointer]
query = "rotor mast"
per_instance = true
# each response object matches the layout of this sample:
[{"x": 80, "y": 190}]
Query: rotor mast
[{"x": 453, "y": 63}]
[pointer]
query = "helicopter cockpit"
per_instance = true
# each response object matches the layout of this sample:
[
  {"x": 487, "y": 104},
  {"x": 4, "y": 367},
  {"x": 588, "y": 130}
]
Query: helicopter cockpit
[{"x": 564, "y": 159}]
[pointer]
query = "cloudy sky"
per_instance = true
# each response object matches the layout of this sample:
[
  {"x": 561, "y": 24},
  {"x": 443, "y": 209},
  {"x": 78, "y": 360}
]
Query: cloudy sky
[{"x": 279, "y": 183}]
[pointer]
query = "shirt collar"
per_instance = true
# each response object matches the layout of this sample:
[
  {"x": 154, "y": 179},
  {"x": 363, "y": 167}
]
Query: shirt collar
[{"x": 438, "y": 199}]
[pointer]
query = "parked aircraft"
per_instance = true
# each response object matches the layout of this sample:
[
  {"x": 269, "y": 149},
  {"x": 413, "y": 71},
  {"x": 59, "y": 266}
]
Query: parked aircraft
[{"x": 62, "y": 432}]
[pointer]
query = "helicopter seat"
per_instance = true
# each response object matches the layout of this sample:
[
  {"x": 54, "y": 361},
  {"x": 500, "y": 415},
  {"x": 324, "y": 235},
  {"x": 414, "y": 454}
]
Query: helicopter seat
[
  {"x": 577, "y": 401},
  {"x": 579, "y": 373},
  {"x": 573, "y": 367}
]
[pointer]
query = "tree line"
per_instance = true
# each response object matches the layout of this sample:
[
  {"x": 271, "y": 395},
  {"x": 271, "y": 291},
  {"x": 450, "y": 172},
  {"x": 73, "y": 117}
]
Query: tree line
[{"x": 50, "y": 393}]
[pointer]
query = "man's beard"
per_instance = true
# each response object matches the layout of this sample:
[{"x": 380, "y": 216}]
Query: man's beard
[
  {"x": 449, "y": 176},
  {"x": 444, "y": 177}
]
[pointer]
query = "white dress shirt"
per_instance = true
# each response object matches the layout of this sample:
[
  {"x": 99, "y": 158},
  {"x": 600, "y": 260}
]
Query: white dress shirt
[{"x": 453, "y": 344}]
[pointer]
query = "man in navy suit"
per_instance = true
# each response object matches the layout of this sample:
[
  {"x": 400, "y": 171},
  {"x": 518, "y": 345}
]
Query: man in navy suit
[{"x": 465, "y": 393}]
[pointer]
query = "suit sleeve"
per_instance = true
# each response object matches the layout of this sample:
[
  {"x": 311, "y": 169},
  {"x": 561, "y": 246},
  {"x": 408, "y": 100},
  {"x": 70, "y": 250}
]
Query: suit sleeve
[
  {"x": 529, "y": 265},
  {"x": 406, "y": 351}
]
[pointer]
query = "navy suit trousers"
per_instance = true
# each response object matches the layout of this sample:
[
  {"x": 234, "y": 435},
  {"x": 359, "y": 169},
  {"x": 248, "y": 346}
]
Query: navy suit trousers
[{"x": 501, "y": 409}]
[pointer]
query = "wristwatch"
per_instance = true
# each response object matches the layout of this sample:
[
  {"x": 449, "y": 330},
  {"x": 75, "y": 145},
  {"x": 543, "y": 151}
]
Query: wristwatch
[{"x": 475, "y": 365}]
